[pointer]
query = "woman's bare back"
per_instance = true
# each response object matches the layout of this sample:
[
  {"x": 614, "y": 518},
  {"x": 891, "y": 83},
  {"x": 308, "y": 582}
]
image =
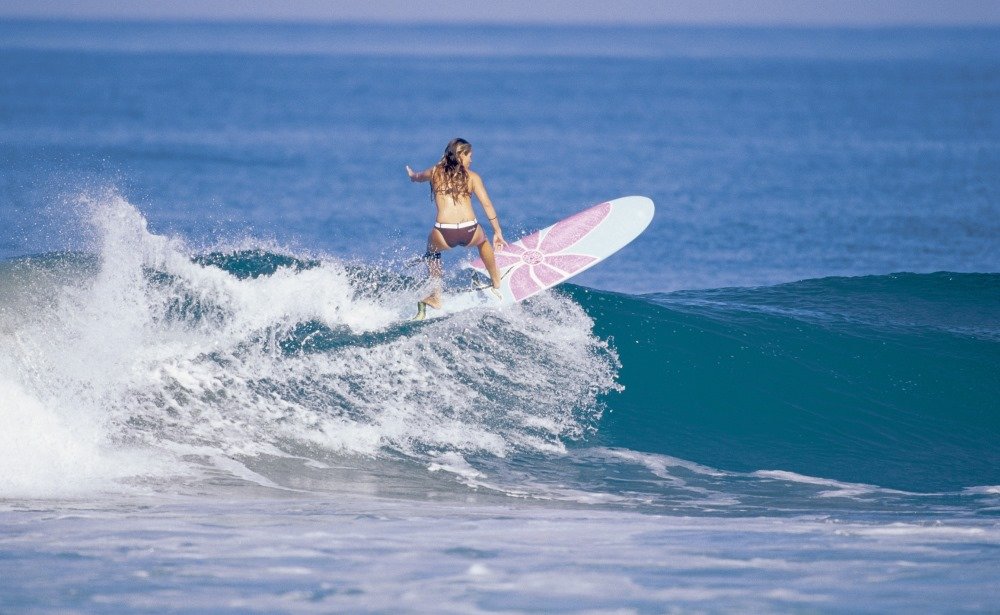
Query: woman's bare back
[{"x": 454, "y": 208}]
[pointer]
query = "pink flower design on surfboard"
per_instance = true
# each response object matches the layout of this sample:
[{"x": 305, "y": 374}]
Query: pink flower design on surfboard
[{"x": 539, "y": 260}]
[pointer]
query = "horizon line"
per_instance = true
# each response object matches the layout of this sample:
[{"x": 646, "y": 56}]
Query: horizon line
[{"x": 293, "y": 21}]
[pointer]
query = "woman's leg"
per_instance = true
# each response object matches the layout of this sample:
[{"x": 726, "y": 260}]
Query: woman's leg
[
  {"x": 486, "y": 253},
  {"x": 435, "y": 246}
]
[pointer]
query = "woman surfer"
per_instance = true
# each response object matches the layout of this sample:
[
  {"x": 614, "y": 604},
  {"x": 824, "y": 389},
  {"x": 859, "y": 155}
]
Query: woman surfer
[{"x": 453, "y": 184}]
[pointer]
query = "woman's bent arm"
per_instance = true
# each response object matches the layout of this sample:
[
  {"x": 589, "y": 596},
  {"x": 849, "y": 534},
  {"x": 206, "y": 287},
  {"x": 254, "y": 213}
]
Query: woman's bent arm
[{"x": 491, "y": 214}]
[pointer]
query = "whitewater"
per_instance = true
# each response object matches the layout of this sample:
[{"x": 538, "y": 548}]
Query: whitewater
[{"x": 780, "y": 398}]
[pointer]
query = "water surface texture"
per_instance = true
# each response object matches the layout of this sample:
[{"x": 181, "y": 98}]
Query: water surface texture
[{"x": 782, "y": 397}]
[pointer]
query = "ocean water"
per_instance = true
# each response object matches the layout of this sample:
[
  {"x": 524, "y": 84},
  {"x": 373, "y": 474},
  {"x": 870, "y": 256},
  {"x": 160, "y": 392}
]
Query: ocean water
[{"x": 781, "y": 398}]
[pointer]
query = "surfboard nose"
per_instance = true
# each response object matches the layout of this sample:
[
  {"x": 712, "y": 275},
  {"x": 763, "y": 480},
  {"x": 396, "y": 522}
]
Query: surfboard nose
[{"x": 639, "y": 208}]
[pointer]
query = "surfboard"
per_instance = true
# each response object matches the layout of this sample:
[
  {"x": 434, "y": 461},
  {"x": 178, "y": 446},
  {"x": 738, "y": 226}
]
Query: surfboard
[{"x": 552, "y": 255}]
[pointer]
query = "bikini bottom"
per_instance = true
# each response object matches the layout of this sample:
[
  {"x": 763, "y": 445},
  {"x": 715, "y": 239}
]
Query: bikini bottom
[{"x": 460, "y": 234}]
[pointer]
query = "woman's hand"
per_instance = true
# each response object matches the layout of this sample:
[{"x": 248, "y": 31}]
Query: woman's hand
[
  {"x": 498, "y": 241},
  {"x": 419, "y": 176}
]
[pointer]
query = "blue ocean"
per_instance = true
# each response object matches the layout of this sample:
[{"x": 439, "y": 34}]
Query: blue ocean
[{"x": 781, "y": 398}]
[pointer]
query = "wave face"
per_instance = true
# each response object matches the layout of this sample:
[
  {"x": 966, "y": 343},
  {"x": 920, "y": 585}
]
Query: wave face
[
  {"x": 890, "y": 380},
  {"x": 146, "y": 358}
]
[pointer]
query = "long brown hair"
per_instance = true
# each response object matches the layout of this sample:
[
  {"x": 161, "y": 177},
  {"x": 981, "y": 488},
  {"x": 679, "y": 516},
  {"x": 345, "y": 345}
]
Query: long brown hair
[{"x": 449, "y": 176}]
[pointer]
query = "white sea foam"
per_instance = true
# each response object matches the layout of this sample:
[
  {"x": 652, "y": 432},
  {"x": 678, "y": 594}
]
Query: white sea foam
[
  {"x": 44, "y": 453},
  {"x": 983, "y": 490},
  {"x": 370, "y": 554},
  {"x": 154, "y": 349},
  {"x": 659, "y": 465},
  {"x": 839, "y": 489},
  {"x": 456, "y": 464}
]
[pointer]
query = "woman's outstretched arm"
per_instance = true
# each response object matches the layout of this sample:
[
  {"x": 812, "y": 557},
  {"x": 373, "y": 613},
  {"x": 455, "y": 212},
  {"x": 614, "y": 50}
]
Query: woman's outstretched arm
[{"x": 419, "y": 176}]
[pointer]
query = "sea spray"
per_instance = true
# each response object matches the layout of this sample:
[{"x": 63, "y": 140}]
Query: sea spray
[{"x": 155, "y": 349}]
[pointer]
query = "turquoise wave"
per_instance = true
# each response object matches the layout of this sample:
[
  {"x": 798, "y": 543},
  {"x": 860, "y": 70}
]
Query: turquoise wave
[
  {"x": 889, "y": 380},
  {"x": 885, "y": 380}
]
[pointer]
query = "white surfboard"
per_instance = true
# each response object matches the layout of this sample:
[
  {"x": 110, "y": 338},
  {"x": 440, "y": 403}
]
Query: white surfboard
[{"x": 554, "y": 254}]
